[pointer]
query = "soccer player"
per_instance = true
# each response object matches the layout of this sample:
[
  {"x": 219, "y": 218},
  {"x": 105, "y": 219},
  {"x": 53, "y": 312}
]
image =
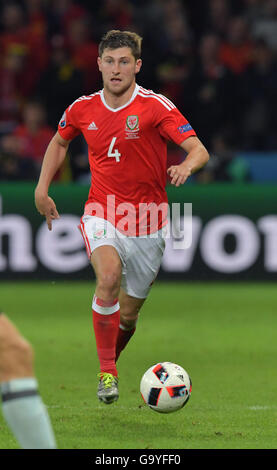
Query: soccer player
[
  {"x": 126, "y": 128},
  {"x": 22, "y": 406}
]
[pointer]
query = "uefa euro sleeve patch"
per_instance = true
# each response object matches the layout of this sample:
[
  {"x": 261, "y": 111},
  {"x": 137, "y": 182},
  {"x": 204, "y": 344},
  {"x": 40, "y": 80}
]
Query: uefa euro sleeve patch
[
  {"x": 62, "y": 122},
  {"x": 185, "y": 128}
]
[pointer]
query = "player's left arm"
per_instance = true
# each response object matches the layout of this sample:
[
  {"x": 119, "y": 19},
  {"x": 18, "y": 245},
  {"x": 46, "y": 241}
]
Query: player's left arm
[{"x": 197, "y": 157}]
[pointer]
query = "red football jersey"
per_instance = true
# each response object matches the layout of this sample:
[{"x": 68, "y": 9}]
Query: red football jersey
[{"x": 127, "y": 149}]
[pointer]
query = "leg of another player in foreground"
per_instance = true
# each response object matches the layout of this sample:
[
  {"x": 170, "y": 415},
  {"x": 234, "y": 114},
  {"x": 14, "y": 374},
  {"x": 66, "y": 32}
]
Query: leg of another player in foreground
[{"x": 22, "y": 406}]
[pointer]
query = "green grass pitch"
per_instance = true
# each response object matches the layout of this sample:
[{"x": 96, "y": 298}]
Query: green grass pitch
[{"x": 224, "y": 335}]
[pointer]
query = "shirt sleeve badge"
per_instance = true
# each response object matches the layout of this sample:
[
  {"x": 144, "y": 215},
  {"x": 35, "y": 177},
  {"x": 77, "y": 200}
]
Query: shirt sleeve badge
[{"x": 62, "y": 122}]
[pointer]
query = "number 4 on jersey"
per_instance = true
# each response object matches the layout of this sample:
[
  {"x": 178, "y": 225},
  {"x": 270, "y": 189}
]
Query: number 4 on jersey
[{"x": 114, "y": 152}]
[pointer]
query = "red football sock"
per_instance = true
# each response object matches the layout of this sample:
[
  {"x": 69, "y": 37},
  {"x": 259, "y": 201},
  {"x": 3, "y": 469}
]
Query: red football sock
[
  {"x": 106, "y": 316},
  {"x": 123, "y": 337}
]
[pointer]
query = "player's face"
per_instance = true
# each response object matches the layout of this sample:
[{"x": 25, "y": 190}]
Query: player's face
[{"x": 118, "y": 68}]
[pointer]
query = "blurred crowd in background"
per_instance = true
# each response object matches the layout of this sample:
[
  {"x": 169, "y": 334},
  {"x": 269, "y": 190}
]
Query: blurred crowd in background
[{"x": 215, "y": 59}]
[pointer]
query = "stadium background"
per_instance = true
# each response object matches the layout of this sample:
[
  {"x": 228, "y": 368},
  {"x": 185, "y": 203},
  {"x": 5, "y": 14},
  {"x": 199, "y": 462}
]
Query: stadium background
[{"x": 216, "y": 59}]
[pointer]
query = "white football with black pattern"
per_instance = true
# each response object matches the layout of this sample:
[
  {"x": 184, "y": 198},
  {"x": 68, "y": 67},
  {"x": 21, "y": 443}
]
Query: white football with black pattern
[{"x": 165, "y": 387}]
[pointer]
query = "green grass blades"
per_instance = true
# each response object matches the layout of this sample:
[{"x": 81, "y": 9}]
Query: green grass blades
[{"x": 223, "y": 334}]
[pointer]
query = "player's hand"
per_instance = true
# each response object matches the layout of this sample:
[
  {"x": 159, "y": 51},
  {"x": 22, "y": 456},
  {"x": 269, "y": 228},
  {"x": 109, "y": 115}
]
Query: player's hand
[
  {"x": 179, "y": 174},
  {"x": 46, "y": 206}
]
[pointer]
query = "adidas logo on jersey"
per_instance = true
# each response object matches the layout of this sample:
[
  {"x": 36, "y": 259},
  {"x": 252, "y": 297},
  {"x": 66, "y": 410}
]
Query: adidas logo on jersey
[{"x": 92, "y": 126}]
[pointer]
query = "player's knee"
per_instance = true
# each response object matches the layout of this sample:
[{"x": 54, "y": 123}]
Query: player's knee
[{"x": 108, "y": 284}]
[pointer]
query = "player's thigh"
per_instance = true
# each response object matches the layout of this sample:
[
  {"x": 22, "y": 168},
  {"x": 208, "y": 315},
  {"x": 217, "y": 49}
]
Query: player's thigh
[
  {"x": 16, "y": 353},
  {"x": 129, "y": 307},
  {"x": 103, "y": 248}
]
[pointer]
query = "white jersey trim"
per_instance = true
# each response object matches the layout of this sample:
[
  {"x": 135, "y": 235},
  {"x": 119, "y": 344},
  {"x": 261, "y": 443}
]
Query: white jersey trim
[
  {"x": 83, "y": 98},
  {"x": 114, "y": 110},
  {"x": 164, "y": 99},
  {"x": 158, "y": 99}
]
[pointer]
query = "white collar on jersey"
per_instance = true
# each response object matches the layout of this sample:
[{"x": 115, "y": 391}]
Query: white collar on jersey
[{"x": 114, "y": 110}]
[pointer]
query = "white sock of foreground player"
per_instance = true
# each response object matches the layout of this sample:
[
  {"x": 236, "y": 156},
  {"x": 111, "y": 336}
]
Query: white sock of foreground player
[{"x": 26, "y": 414}]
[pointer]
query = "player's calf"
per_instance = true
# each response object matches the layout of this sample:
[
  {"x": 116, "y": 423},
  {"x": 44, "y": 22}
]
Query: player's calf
[
  {"x": 128, "y": 322},
  {"x": 129, "y": 309},
  {"x": 105, "y": 313},
  {"x": 106, "y": 317},
  {"x": 22, "y": 406},
  {"x": 129, "y": 312}
]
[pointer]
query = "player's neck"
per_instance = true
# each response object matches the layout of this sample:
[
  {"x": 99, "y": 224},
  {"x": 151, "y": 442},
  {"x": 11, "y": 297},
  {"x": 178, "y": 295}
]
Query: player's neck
[{"x": 116, "y": 101}]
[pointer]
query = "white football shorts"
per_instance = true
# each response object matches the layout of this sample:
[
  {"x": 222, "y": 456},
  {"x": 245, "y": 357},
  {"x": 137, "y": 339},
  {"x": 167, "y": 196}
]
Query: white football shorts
[{"x": 141, "y": 257}]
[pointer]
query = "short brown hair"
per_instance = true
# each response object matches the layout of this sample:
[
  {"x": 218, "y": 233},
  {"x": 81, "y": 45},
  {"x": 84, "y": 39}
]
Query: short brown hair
[{"x": 115, "y": 38}]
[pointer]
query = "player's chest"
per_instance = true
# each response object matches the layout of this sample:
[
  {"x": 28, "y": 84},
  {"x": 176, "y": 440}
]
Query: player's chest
[{"x": 127, "y": 127}]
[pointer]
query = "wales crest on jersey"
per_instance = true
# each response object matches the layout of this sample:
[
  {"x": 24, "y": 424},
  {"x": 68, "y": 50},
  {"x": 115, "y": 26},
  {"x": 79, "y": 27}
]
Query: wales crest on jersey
[{"x": 132, "y": 127}]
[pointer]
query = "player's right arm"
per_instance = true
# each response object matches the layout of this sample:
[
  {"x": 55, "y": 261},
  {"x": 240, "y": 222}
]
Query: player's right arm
[{"x": 53, "y": 159}]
